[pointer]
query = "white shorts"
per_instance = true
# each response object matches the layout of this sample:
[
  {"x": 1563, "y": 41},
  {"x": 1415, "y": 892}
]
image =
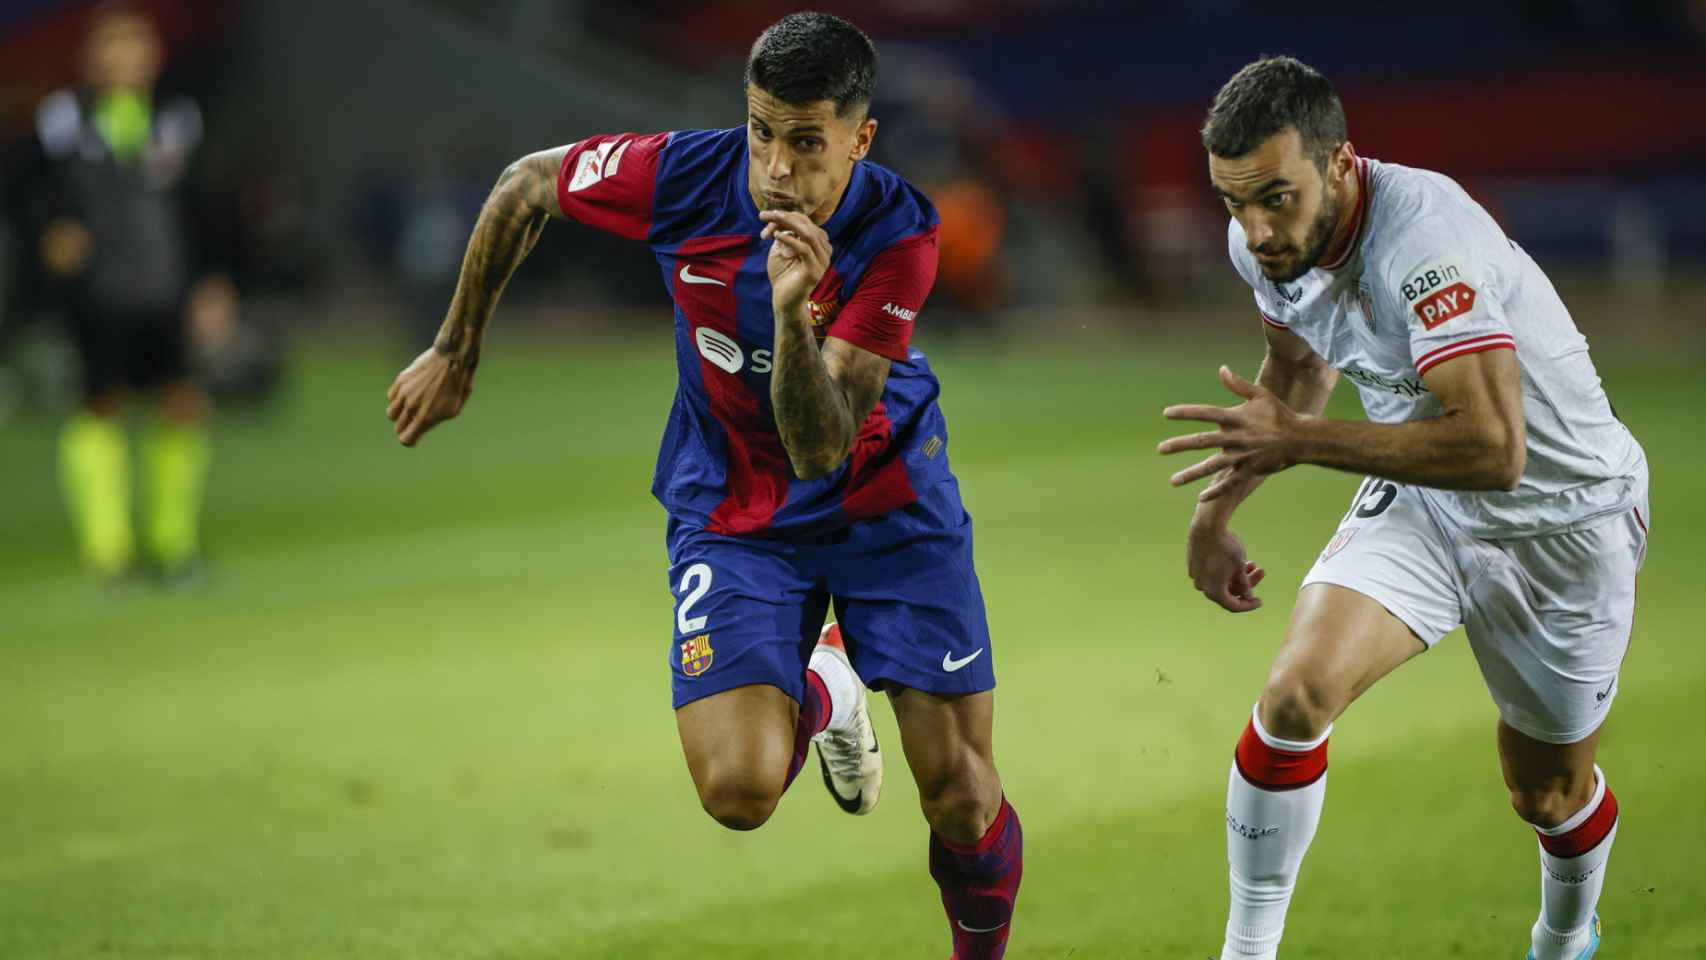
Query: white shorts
[{"x": 1548, "y": 617}]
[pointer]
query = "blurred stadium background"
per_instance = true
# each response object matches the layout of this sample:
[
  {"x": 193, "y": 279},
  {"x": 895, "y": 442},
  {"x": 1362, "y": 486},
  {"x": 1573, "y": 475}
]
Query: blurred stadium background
[{"x": 419, "y": 705}]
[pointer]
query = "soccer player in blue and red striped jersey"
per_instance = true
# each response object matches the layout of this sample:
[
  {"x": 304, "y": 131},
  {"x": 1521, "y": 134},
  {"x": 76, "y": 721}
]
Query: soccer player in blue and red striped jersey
[{"x": 805, "y": 461}]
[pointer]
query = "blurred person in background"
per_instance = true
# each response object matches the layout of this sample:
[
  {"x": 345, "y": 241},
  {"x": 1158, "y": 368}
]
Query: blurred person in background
[
  {"x": 974, "y": 227},
  {"x": 805, "y": 464},
  {"x": 115, "y": 238}
]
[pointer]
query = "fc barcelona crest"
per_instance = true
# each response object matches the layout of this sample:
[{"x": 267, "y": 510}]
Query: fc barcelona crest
[
  {"x": 823, "y": 310},
  {"x": 696, "y": 655}
]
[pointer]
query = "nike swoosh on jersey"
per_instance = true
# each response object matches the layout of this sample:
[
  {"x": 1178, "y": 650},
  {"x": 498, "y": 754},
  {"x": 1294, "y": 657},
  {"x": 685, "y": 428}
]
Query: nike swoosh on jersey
[
  {"x": 688, "y": 276},
  {"x": 967, "y": 929},
  {"x": 950, "y": 664}
]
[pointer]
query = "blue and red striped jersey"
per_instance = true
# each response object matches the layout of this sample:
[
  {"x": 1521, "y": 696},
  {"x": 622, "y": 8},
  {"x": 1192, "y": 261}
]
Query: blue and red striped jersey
[{"x": 722, "y": 464}]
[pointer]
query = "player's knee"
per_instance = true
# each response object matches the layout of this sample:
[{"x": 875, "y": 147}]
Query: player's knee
[
  {"x": 1296, "y": 706},
  {"x": 183, "y": 403},
  {"x": 960, "y": 806},
  {"x": 106, "y": 403},
  {"x": 1550, "y": 804},
  {"x": 737, "y": 801}
]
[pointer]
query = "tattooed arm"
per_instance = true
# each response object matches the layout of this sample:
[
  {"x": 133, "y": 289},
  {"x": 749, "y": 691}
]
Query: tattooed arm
[
  {"x": 434, "y": 387},
  {"x": 820, "y": 396}
]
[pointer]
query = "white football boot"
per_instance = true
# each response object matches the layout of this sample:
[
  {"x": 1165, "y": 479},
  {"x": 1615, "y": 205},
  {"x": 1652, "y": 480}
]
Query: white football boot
[{"x": 851, "y": 760}]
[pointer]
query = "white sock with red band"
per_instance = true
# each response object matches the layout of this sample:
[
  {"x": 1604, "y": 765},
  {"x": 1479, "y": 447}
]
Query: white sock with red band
[
  {"x": 843, "y": 687},
  {"x": 1572, "y": 873},
  {"x": 1273, "y": 805}
]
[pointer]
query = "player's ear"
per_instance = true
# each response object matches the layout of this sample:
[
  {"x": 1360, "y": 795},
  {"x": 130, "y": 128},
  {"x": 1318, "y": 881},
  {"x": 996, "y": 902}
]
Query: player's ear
[
  {"x": 863, "y": 134},
  {"x": 1344, "y": 160}
]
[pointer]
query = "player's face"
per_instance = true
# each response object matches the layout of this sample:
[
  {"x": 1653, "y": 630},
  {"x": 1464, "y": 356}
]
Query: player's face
[
  {"x": 122, "y": 52},
  {"x": 1286, "y": 205},
  {"x": 802, "y": 154}
]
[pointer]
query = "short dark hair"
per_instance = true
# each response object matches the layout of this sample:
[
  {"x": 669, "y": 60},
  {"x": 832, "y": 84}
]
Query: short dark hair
[
  {"x": 1269, "y": 96},
  {"x": 808, "y": 57}
]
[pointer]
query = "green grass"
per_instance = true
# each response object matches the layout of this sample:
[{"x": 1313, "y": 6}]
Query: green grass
[{"x": 422, "y": 708}]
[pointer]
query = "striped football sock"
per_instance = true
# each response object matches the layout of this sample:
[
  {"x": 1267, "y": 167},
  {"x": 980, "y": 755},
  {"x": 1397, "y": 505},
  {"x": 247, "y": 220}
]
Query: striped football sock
[
  {"x": 979, "y": 885},
  {"x": 1573, "y": 856},
  {"x": 1273, "y": 805}
]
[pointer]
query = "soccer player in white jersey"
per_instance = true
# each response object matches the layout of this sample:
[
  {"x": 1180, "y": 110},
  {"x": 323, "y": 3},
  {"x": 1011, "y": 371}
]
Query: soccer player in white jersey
[{"x": 1502, "y": 493}]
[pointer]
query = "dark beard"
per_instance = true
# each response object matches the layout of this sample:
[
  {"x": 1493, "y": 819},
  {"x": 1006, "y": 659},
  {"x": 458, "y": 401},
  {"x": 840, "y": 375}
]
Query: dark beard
[{"x": 1314, "y": 242}]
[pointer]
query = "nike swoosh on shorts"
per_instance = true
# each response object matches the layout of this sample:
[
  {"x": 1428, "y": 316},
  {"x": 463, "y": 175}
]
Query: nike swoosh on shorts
[{"x": 950, "y": 664}]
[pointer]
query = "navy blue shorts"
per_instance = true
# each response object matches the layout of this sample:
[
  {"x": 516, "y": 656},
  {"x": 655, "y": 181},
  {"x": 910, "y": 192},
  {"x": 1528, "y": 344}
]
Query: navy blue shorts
[{"x": 748, "y": 610}]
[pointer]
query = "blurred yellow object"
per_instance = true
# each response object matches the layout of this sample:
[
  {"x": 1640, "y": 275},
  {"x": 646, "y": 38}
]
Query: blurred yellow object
[
  {"x": 95, "y": 474},
  {"x": 124, "y": 118},
  {"x": 174, "y": 472}
]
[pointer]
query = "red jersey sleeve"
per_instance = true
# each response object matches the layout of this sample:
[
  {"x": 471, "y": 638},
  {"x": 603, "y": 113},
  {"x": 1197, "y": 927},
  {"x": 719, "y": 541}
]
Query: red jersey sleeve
[
  {"x": 879, "y": 315},
  {"x": 607, "y": 182}
]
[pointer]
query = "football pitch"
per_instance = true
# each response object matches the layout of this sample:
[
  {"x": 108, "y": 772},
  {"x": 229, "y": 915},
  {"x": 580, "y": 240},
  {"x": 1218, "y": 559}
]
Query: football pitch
[{"x": 421, "y": 706}]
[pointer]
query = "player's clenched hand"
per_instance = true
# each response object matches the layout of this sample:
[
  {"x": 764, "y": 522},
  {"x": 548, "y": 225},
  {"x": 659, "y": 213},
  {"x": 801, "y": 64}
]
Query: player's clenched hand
[
  {"x": 1218, "y": 567},
  {"x": 1254, "y": 437},
  {"x": 428, "y": 392},
  {"x": 798, "y": 258}
]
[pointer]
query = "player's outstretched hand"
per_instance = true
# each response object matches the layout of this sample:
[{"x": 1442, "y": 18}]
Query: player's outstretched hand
[
  {"x": 798, "y": 258},
  {"x": 428, "y": 392},
  {"x": 1254, "y": 437},
  {"x": 1218, "y": 567}
]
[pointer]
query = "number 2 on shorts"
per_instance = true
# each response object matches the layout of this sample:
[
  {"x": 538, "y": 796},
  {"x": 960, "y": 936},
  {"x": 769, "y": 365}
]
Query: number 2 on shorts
[{"x": 695, "y": 582}]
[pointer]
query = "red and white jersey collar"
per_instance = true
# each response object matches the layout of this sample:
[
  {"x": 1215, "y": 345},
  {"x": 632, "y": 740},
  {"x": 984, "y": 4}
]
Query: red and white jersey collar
[{"x": 1343, "y": 255}]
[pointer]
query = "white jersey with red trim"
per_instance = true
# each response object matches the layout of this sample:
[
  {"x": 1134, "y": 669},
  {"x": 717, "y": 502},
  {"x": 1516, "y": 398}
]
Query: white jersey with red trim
[{"x": 1430, "y": 276}]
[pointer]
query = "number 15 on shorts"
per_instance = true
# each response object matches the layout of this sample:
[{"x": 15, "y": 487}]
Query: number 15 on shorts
[{"x": 1372, "y": 499}]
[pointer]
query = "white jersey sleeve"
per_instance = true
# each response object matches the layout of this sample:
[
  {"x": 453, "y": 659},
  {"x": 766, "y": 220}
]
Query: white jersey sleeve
[
  {"x": 1445, "y": 286},
  {"x": 1443, "y": 266}
]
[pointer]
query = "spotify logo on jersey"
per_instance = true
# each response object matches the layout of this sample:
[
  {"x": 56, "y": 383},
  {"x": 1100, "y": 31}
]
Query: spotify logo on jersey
[{"x": 726, "y": 354}]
